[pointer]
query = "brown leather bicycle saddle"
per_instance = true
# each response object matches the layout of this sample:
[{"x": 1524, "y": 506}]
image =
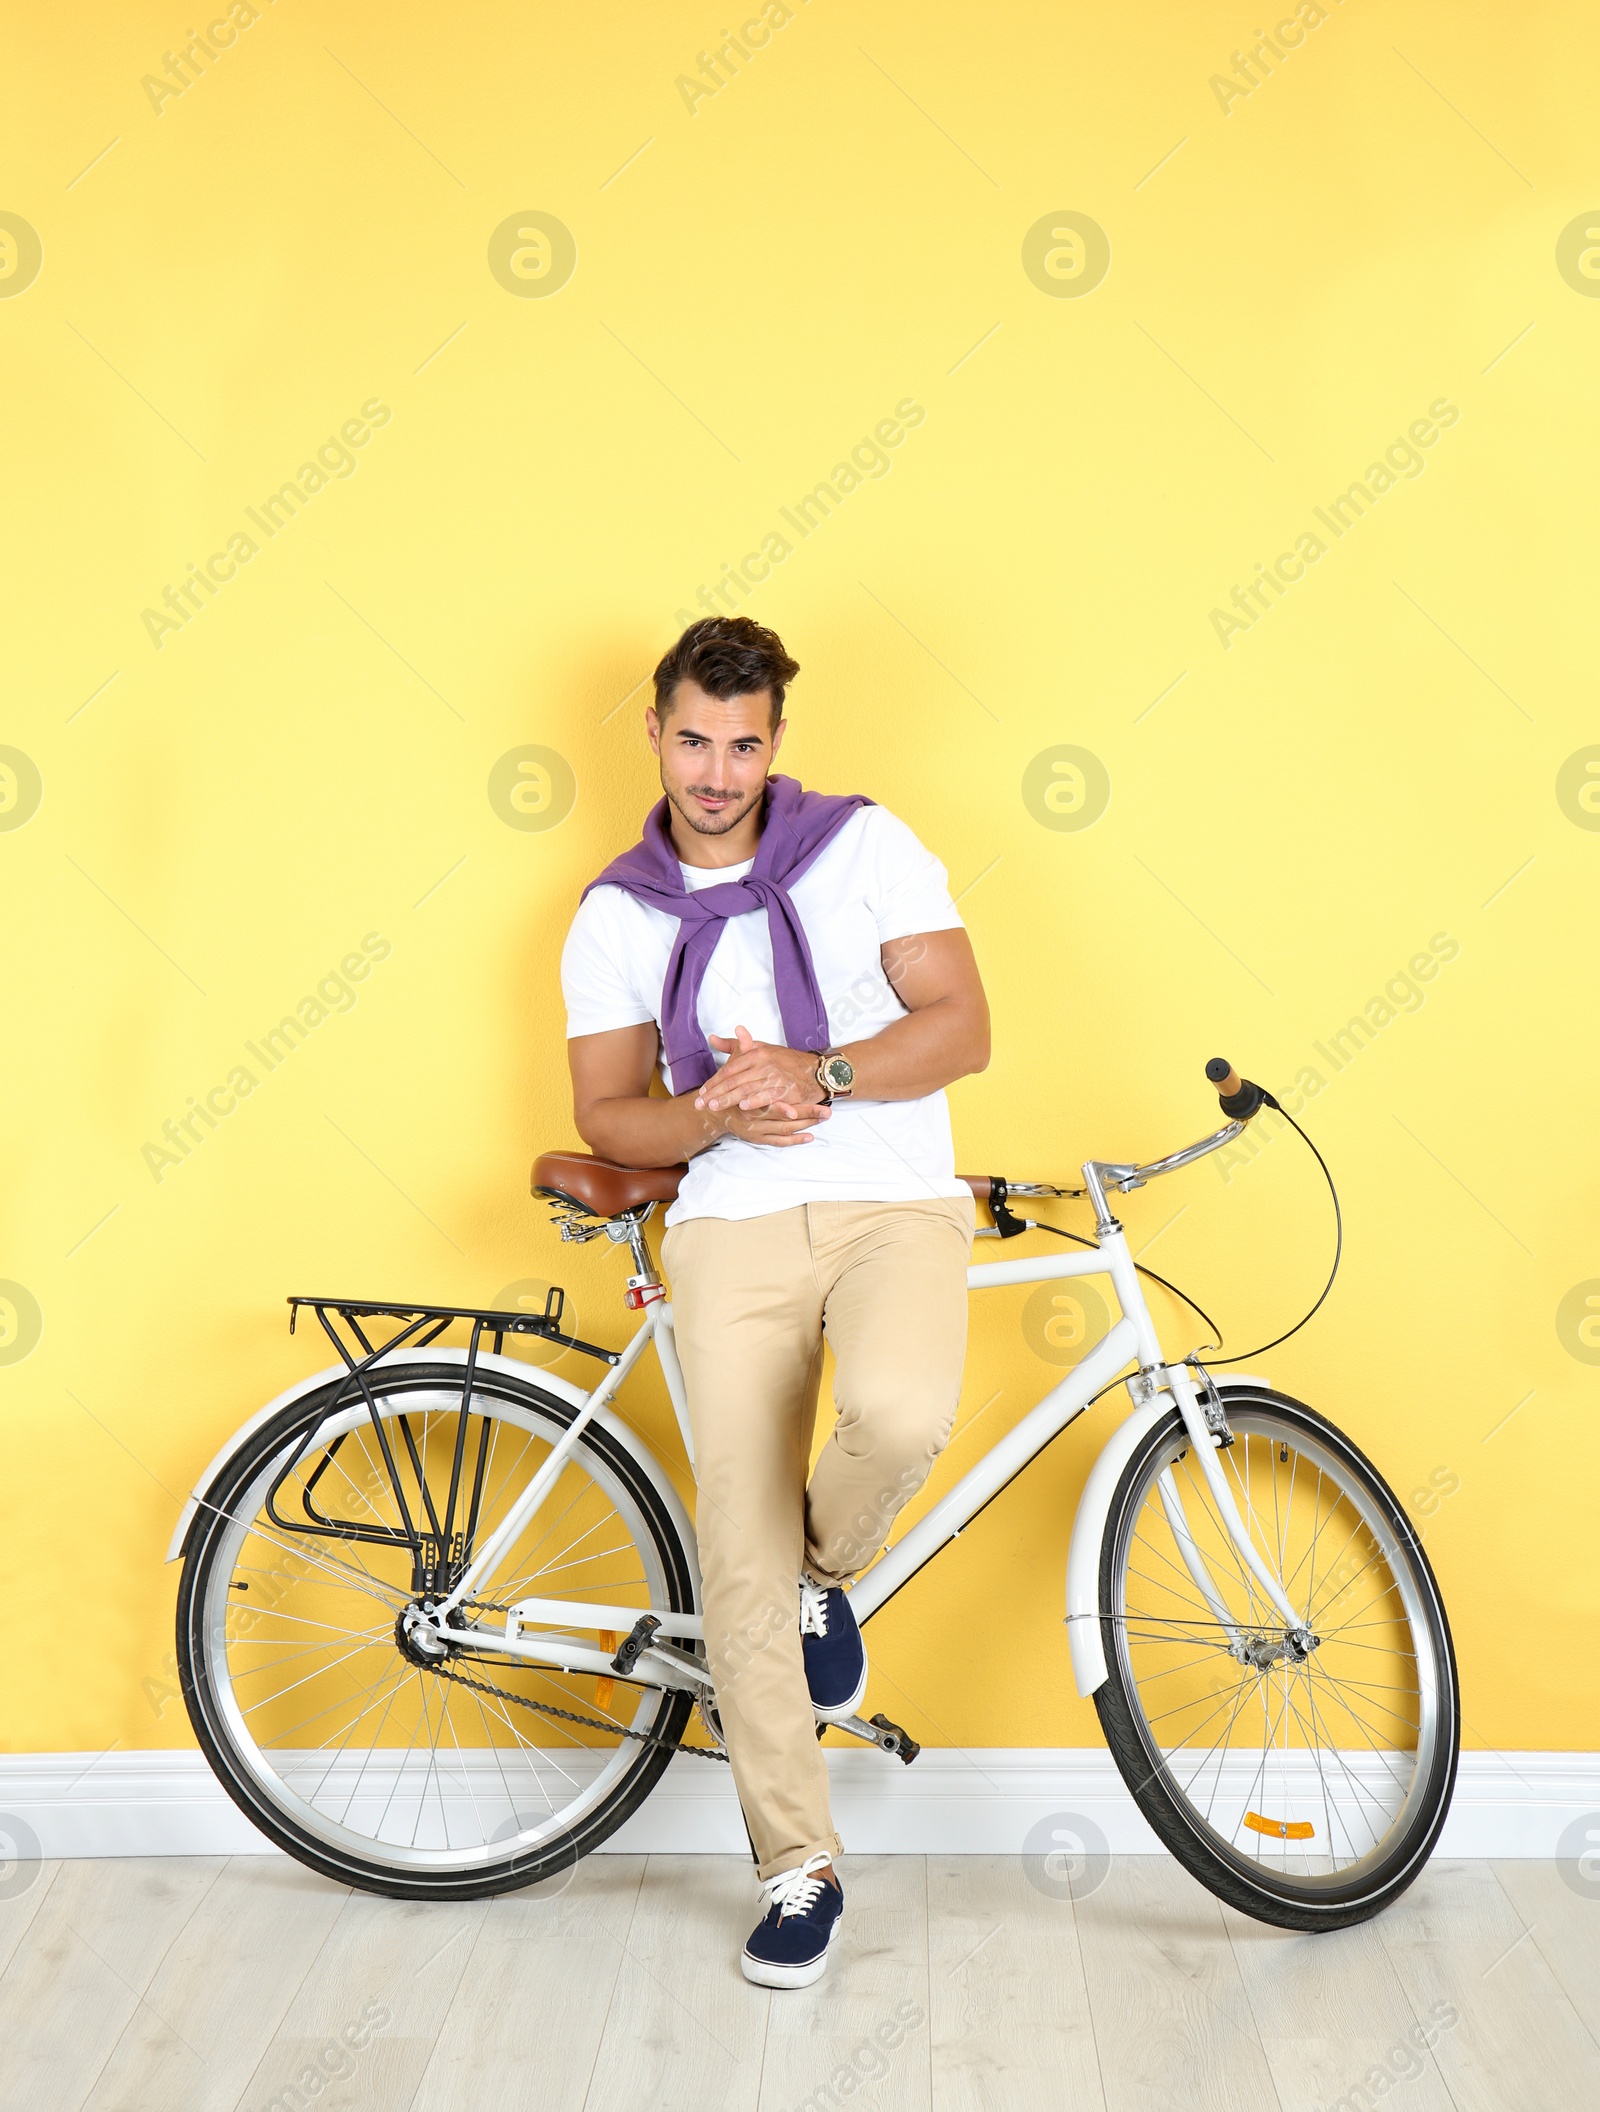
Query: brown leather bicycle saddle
[
  {"x": 601, "y": 1188},
  {"x": 607, "y": 1190}
]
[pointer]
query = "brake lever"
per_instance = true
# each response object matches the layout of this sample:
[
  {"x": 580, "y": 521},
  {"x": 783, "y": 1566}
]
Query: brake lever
[{"x": 1006, "y": 1221}]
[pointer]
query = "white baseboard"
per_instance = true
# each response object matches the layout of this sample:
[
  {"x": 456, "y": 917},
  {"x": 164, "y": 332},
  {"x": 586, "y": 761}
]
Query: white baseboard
[{"x": 949, "y": 1801}]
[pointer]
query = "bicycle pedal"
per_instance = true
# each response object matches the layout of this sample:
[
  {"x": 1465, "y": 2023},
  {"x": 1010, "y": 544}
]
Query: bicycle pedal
[
  {"x": 638, "y": 1638},
  {"x": 896, "y": 1741}
]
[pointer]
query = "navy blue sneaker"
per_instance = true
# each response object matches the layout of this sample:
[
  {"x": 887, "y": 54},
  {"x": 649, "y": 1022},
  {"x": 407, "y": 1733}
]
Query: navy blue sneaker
[
  {"x": 789, "y": 1946},
  {"x": 835, "y": 1655}
]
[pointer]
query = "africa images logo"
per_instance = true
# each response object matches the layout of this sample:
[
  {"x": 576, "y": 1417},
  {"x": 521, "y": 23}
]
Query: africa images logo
[
  {"x": 1402, "y": 459},
  {"x": 334, "y": 459},
  {"x": 182, "y": 1135}
]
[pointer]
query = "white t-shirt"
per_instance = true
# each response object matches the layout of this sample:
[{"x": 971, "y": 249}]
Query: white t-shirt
[{"x": 873, "y": 882}]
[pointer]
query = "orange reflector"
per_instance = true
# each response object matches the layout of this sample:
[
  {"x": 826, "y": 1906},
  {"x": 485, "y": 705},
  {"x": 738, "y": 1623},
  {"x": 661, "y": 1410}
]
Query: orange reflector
[
  {"x": 605, "y": 1686},
  {"x": 1280, "y": 1829}
]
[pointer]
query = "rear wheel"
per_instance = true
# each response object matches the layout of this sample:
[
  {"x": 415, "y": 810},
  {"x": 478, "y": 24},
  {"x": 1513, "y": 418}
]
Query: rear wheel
[
  {"x": 306, "y": 1664},
  {"x": 1303, "y": 1783}
]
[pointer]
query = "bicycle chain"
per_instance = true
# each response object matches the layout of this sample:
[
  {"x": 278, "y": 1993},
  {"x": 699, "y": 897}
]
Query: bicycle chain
[{"x": 593, "y": 1723}]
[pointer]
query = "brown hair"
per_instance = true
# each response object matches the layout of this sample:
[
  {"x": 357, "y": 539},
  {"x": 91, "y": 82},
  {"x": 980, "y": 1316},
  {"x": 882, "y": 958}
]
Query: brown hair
[{"x": 729, "y": 656}]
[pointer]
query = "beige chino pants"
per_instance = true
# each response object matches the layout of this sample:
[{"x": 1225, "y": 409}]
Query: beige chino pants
[{"x": 752, "y": 1299}]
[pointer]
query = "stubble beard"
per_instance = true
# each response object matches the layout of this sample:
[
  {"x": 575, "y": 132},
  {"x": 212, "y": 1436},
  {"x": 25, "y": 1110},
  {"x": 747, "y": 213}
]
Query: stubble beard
[{"x": 711, "y": 825}]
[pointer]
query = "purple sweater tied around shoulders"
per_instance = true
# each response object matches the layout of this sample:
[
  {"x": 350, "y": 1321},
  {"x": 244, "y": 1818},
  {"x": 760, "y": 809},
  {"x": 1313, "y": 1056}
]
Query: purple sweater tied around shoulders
[{"x": 797, "y": 827}]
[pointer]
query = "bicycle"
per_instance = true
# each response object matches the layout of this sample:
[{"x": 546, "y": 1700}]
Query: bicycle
[{"x": 439, "y": 1625}]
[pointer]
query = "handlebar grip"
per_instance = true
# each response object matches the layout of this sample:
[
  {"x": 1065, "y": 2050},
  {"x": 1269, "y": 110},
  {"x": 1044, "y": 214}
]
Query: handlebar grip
[{"x": 1240, "y": 1098}]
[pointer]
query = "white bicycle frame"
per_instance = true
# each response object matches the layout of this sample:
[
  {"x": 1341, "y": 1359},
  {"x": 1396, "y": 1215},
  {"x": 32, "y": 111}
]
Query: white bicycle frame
[{"x": 559, "y": 1632}]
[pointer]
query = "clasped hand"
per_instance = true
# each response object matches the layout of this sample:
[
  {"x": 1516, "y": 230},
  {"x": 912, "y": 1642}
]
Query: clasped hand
[{"x": 767, "y": 1093}]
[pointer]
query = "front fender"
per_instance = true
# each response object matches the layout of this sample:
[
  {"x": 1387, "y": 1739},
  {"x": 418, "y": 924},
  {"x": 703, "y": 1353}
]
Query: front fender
[
  {"x": 454, "y": 1360},
  {"x": 1089, "y": 1531}
]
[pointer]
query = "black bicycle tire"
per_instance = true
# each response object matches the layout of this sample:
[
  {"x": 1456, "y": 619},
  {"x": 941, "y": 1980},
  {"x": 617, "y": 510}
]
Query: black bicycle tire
[
  {"x": 564, "y": 1850},
  {"x": 1167, "y": 1815}
]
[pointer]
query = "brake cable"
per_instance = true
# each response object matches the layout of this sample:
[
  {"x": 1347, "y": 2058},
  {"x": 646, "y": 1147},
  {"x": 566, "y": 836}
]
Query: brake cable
[
  {"x": 1078, "y": 1237},
  {"x": 1338, "y": 1240},
  {"x": 1243, "y": 1356}
]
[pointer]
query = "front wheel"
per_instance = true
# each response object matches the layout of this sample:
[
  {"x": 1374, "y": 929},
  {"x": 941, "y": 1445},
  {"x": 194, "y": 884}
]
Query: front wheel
[{"x": 1302, "y": 1780}]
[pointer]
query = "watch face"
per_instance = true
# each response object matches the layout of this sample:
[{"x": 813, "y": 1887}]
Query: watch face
[{"x": 841, "y": 1073}]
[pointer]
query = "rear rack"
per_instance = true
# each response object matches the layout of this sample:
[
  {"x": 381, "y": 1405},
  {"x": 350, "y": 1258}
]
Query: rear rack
[
  {"x": 425, "y": 1323},
  {"x": 440, "y": 1546}
]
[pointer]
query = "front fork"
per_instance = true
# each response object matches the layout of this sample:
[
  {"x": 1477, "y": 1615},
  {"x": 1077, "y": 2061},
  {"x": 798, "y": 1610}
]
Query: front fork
[
  {"x": 1206, "y": 1426},
  {"x": 1201, "y": 1420}
]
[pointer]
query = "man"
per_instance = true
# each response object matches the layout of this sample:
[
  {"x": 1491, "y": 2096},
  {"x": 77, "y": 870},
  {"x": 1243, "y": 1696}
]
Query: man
[{"x": 809, "y": 942}]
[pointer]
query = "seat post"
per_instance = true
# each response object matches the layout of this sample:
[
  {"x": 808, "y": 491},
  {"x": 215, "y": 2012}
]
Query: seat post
[{"x": 643, "y": 1266}]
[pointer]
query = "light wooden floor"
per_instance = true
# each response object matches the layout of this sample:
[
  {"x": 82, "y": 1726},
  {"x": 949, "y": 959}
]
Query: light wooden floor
[{"x": 206, "y": 1984}]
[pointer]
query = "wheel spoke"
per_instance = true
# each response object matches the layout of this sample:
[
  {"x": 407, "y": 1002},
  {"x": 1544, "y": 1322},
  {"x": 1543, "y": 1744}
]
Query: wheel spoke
[
  {"x": 1335, "y": 1734},
  {"x": 333, "y": 1723}
]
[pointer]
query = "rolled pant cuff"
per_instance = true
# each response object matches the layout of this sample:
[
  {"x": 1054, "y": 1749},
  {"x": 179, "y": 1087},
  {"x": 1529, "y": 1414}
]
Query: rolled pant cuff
[{"x": 791, "y": 1858}]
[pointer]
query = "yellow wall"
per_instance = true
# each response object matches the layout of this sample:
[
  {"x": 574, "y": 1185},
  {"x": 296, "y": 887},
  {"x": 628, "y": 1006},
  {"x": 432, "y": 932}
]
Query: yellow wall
[{"x": 1296, "y": 807}]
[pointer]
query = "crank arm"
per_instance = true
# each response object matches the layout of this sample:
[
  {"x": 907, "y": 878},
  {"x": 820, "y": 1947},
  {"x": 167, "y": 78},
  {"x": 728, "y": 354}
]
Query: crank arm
[
  {"x": 879, "y": 1731},
  {"x": 617, "y": 1618}
]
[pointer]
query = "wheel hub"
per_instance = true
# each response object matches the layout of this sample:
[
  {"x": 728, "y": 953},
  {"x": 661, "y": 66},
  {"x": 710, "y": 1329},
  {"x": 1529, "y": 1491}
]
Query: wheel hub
[
  {"x": 1265, "y": 1651},
  {"x": 417, "y": 1637}
]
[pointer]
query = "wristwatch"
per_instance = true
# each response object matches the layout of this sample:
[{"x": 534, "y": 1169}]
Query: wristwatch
[{"x": 836, "y": 1075}]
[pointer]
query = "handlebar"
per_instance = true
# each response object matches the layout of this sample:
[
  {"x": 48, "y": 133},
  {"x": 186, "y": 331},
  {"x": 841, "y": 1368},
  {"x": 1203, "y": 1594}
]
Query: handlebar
[{"x": 1240, "y": 1097}]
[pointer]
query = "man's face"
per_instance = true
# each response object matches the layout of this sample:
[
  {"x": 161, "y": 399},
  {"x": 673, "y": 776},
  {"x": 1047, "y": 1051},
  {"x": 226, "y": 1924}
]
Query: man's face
[{"x": 715, "y": 753}]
